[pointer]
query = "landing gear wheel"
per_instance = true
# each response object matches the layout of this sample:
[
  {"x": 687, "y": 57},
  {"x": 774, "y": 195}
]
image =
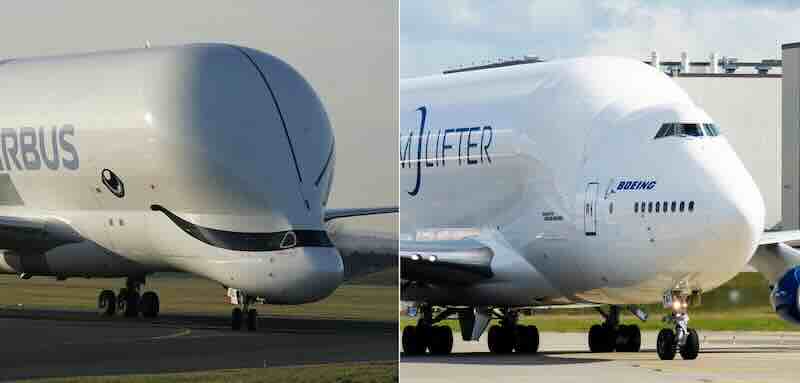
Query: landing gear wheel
[
  {"x": 236, "y": 319},
  {"x": 601, "y": 339},
  {"x": 413, "y": 343},
  {"x": 107, "y": 303},
  {"x": 132, "y": 304},
  {"x": 441, "y": 340},
  {"x": 149, "y": 305},
  {"x": 629, "y": 338},
  {"x": 501, "y": 340},
  {"x": 252, "y": 320},
  {"x": 691, "y": 348},
  {"x": 527, "y": 339},
  {"x": 665, "y": 344}
]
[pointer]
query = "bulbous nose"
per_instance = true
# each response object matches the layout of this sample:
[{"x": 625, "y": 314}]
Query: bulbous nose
[
  {"x": 737, "y": 213},
  {"x": 322, "y": 273}
]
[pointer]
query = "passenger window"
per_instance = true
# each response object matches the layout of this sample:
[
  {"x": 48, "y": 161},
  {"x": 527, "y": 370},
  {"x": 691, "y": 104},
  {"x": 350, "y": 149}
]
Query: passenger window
[
  {"x": 665, "y": 206},
  {"x": 691, "y": 206},
  {"x": 636, "y": 207},
  {"x": 649, "y": 207},
  {"x": 658, "y": 204},
  {"x": 682, "y": 206},
  {"x": 672, "y": 206},
  {"x": 610, "y": 208}
]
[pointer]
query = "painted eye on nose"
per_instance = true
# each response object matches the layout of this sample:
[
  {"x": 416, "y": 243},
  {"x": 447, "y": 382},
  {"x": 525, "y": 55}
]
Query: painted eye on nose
[{"x": 113, "y": 183}]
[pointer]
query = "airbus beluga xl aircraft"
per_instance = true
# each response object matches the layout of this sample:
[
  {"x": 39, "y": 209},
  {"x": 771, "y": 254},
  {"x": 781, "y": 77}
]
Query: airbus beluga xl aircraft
[
  {"x": 591, "y": 181},
  {"x": 212, "y": 159}
]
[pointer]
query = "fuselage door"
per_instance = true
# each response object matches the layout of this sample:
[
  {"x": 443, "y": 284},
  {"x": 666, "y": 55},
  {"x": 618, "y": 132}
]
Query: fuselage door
[{"x": 590, "y": 208}]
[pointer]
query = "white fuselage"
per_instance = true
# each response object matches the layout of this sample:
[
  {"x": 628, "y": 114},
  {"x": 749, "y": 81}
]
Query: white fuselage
[
  {"x": 225, "y": 138},
  {"x": 547, "y": 164}
]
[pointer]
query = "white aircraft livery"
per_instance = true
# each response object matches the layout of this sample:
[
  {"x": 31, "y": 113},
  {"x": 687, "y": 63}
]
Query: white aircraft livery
[
  {"x": 211, "y": 159},
  {"x": 591, "y": 182}
]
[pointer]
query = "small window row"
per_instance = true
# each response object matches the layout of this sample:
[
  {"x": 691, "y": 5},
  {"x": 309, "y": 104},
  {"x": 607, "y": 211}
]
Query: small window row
[
  {"x": 663, "y": 206},
  {"x": 687, "y": 129}
]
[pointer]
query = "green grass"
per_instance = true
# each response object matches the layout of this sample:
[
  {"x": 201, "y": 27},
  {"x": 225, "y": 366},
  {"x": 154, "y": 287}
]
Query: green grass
[
  {"x": 336, "y": 373},
  {"x": 750, "y": 311},
  {"x": 185, "y": 294}
]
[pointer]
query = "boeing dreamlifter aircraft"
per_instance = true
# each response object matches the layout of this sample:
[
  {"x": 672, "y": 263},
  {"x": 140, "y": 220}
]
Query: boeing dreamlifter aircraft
[
  {"x": 584, "y": 181},
  {"x": 212, "y": 159}
]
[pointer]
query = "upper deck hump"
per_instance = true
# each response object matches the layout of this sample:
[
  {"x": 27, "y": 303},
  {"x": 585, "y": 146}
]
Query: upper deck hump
[{"x": 604, "y": 80}]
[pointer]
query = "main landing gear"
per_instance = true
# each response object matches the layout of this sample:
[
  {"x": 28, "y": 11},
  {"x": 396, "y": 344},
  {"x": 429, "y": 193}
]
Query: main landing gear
[
  {"x": 425, "y": 336},
  {"x": 683, "y": 339},
  {"x": 243, "y": 313},
  {"x": 129, "y": 301},
  {"x": 611, "y": 336},
  {"x": 510, "y": 336},
  {"x": 505, "y": 338}
]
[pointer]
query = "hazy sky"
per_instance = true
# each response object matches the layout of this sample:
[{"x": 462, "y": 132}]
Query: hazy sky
[
  {"x": 447, "y": 33},
  {"x": 346, "y": 49}
]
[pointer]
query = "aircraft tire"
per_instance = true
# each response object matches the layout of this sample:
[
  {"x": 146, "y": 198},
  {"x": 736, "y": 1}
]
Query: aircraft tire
[
  {"x": 252, "y": 320},
  {"x": 601, "y": 339},
  {"x": 149, "y": 305},
  {"x": 412, "y": 341},
  {"x": 527, "y": 340},
  {"x": 441, "y": 340},
  {"x": 665, "y": 344},
  {"x": 501, "y": 340},
  {"x": 629, "y": 338},
  {"x": 107, "y": 303},
  {"x": 236, "y": 319},
  {"x": 691, "y": 348},
  {"x": 132, "y": 304}
]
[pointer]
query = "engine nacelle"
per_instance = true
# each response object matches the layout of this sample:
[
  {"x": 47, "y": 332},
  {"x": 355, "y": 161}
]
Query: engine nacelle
[{"x": 784, "y": 296}]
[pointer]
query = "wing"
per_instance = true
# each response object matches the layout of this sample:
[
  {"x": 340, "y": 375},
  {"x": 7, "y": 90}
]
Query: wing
[
  {"x": 331, "y": 214},
  {"x": 463, "y": 261},
  {"x": 25, "y": 235},
  {"x": 773, "y": 256},
  {"x": 770, "y": 237},
  {"x": 363, "y": 252}
]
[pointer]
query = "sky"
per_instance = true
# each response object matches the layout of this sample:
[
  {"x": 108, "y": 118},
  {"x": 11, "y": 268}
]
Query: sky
[
  {"x": 346, "y": 49},
  {"x": 449, "y": 33}
]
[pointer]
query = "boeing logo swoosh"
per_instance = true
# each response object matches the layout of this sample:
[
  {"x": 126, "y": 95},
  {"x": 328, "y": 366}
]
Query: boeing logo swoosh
[{"x": 470, "y": 150}]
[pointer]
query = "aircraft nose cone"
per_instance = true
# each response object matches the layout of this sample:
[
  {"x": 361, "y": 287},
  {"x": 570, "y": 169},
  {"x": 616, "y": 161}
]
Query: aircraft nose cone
[{"x": 740, "y": 217}]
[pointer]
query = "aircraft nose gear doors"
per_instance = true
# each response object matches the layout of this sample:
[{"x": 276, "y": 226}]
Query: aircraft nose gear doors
[
  {"x": 683, "y": 339},
  {"x": 590, "y": 209}
]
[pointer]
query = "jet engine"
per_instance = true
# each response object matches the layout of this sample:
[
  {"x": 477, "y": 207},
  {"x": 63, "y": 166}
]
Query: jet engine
[{"x": 784, "y": 296}]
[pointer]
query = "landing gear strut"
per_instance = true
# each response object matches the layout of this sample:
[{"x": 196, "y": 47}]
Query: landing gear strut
[
  {"x": 129, "y": 301},
  {"x": 243, "y": 313},
  {"x": 610, "y": 335},
  {"x": 683, "y": 339}
]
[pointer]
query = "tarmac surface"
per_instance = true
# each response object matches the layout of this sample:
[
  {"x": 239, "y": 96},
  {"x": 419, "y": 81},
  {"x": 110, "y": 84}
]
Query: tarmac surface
[
  {"x": 39, "y": 343},
  {"x": 564, "y": 357}
]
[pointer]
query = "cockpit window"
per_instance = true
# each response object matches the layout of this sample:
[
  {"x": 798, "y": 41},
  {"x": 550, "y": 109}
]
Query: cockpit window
[
  {"x": 692, "y": 130},
  {"x": 711, "y": 130},
  {"x": 687, "y": 130}
]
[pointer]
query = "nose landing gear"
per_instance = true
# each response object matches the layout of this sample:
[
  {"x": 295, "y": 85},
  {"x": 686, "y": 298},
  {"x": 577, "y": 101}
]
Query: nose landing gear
[
  {"x": 244, "y": 313},
  {"x": 683, "y": 339}
]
